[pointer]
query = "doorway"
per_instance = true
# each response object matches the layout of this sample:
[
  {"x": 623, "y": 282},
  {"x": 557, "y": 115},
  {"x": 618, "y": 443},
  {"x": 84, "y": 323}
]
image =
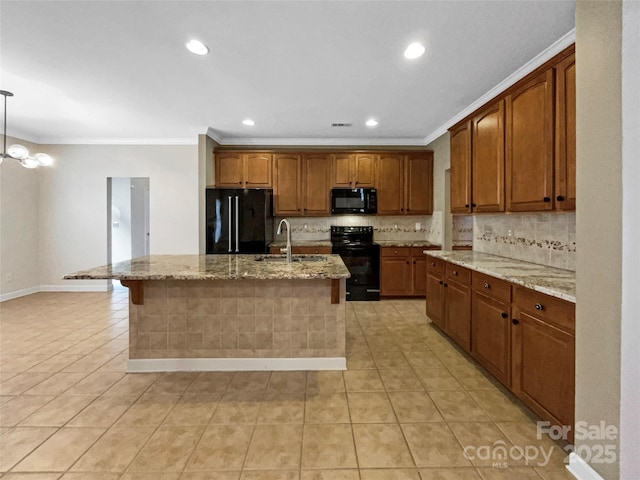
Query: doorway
[{"x": 128, "y": 232}]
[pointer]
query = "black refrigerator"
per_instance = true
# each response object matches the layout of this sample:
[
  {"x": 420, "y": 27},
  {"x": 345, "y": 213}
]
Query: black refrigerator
[{"x": 239, "y": 221}]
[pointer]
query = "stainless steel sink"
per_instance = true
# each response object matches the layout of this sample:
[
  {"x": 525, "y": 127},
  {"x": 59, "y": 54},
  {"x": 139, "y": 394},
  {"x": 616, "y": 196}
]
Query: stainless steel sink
[{"x": 294, "y": 258}]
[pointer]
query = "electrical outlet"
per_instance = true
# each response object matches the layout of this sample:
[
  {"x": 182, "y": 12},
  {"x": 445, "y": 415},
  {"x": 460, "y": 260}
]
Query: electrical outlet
[
  {"x": 395, "y": 226},
  {"x": 418, "y": 226},
  {"x": 9, "y": 277},
  {"x": 510, "y": 232}
]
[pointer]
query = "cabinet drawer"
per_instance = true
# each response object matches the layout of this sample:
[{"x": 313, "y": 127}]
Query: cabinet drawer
[
  {"x": 491, "y": 286},
  {"x": 457, "y": 273},
  {"x": 311, "y": 250},
  {"x": 435, "y": 265},
  {"x": 550, "y": 309},
  {"x": 395, "y": 251}
]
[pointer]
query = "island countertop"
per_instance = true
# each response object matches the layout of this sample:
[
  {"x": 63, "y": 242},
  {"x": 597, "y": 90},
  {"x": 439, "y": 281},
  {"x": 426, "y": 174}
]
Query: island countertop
[
  {"x": 215, "y": 267},
  {"x": 549, "y": 280}
]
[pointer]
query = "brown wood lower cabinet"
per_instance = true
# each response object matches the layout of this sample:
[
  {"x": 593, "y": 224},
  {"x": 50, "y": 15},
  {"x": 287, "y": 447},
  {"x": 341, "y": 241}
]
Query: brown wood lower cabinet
[
  {"x": 524, "y": 338},
  {"x": 543, "y": 354},
  {"x": 403, "y": 272},
  {"x": 491, "y": 325},
  {"x": 305, "y": 250}
]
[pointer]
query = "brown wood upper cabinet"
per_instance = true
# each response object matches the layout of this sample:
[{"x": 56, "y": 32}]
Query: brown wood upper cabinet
[
  {"x": 353, "y": 170},
  {"x": 487, "y": 159},
  {"x": 460, "y": 138},
  {"x": 405, "y": 183},
  {"x": 243, "y": 169},
  {"x": 302, "y": 184},
  {"x": 529, "y": 145},
  {"x": 565, "y": 187}
]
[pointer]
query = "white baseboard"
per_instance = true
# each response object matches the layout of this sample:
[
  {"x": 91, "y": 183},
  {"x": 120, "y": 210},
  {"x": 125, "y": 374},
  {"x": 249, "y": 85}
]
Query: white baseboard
[
  {"x": 74, "y": 288},
  {"x": 55, "y": 288},
  {"x": 140, "y": 365},
  {"x": 18, "y": 293},
  {"x": 581, "y": 469}
]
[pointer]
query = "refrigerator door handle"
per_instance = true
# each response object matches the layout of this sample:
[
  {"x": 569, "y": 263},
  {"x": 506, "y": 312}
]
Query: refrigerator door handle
[
  {"x": 237, "y": 228},
  {"x": 229, "y": 198}
]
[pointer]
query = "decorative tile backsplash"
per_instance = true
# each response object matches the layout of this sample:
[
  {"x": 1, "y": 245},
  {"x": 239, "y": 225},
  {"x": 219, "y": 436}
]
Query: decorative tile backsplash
[
  {"x": 543, "y": 238},
  {"x": 384, "y": 227},
  {"x": 462, "y": 230}
]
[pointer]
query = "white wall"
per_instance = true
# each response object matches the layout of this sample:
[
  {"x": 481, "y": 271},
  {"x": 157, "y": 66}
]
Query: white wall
[
  {"x": 19, "y": 256},
  {"x": 120, "y": 219},
  {"x": 441, "y": 163},
  {"x": 73, "y": 205}
]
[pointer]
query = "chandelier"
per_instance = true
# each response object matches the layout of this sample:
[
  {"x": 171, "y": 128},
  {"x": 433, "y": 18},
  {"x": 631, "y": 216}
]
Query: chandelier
[{"x": 19, "y": 152}]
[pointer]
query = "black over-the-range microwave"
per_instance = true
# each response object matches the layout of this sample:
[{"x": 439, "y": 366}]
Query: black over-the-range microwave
[{"x": 362, "y": 201}]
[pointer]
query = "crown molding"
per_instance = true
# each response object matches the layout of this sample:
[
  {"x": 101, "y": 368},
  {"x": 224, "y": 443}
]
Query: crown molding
[
  {"x": 544, "y": 56},
  {"x": 321, "y": 142},
  {"x": 119, "y": 141}
]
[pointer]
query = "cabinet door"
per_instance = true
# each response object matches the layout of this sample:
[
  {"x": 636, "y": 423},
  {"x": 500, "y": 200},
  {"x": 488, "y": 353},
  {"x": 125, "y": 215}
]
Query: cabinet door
[
  {"x": 460, "y": 140},
  {"x": 435, "y": 299},
  {"x": 529, "y": 145},
  {"x": 487, "y": 159},
  {"x": 341, "y": 170},
  {"x": 316, "y": 174},
  {"x": 418, "y": 184},
  {"x": 491, "y": 335},
  {"x": 364, "y": 170},
  {"x": 457, "y": 323},
  {"x": 565, "y": 188},
  {"x": 390, "y": 184},
  {"x": 543, "y": 367},
  {"x": 419, "y": 275},
  {"x": 258, "y": 170},
  {"x": 229, "y": 169},
  {"x": 287, "y": 199},
  {"x": 395, "y": 276}
]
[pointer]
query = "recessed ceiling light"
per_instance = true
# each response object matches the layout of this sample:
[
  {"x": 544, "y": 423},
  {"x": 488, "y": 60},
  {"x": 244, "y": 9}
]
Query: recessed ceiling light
[
  {"x": 248, "y": 122},
  {"x": 371, "y": 123},
  {"x": 414, "y": 50},
  {"x": 197, "y": 47}
]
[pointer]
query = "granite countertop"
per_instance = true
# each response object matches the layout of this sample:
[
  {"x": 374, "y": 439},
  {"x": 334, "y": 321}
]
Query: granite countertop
[
  {"x": 215, "y": 267},
  {"x": 407, "y": 243},
  {"x": 302, "y": 243},
  {"x": 552, "y": 281}
]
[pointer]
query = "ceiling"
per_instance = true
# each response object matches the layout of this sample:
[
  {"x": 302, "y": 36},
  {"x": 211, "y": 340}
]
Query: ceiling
[{"x": 118, "y": 71}]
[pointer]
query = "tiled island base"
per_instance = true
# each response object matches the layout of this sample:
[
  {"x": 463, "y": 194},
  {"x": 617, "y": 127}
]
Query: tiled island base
[{"x": 242, "y": 324}]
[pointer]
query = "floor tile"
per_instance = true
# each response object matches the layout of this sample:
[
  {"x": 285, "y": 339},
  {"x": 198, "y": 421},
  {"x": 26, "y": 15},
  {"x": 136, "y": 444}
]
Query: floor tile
[
  {"x": 60, "y": 451},
  {"x": 435, "y": 379},
  {"x": 499, "y": 407},
  {"x": 32, "y": 476},
  {"x": 338, "y": 474},
  {"x": 381, "y": 446},
  {"x": 400, "y": 380},
  {"x": 114, "y": 451},
  {"x": 287, "y": 382},
  {"x": 59, "y": 411},
  {"x": 254, "y": 382},
  {"x": 282, "y": 407},
  {"x": 90, "y": 476},
  {"x": 94, "y": 384},
  {"x": 554, "y": 473},
  {"x": 521, "y": 473},
  {"x": 458, "y": 406},
  {"x": 434, "y": 445},
  {"x": 172, "y": 383},
  {"x": 482, "y": 441},
  {"x": 464, "y": 473},
  {"x": 238, "y": 408},
  {"x": 275, "y": 447},
  {"x": 56, "y": 384},
  {"x": 148, "y": 411},
  {"x": 424, "y": 359},
  {"x": 22, "y": 382},
  {"x": 272, "y": 475},
  {"x": 325, "y": 382},
  {"x": 385, "y": 360},
  {"x": 193, "y": 410},
  {"x": 222, "y": 447},
  {"x": 328, "y": 446},
  {"x": 103, "y": 412},
  {"x": 18, "y": 442},
  {"x": 363, "y": 381},
  {"x": 210, "y": 382},
  {"x": 168, "y": 450},
  {"x": 370, "y": 407},
  {"x": 133, "y": 384},
  {"x": 326, "y": 408},
  {"x": 210, "y": 475},
  {"x": 390, "y": 474},
  {"x": 21, "y": 407},
  {"x": 414, "y": 407}
]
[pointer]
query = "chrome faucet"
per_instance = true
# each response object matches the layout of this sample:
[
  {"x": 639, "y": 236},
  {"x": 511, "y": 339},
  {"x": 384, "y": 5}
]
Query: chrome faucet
[{"x": 287, "y": 249}]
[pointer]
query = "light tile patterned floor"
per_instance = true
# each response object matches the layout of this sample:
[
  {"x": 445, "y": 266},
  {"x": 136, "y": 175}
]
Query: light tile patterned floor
[{"x": 404, "y": 410}]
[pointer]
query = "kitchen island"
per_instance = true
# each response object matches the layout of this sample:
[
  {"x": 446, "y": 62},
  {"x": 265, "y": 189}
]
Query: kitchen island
[{"x": 232, "y": 312}]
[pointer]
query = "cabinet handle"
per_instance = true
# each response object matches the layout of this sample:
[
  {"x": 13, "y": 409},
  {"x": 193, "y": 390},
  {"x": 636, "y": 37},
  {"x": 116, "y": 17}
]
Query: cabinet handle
[
  {"x": 539, "y": 306},
  {"x": 408, "y": 262},
  {"x": 440, "y": 282},
  {"x": 473, "y": 205},
  {"x": 356, "y": 183},
  {"x": 446, "y": 285},
  {"x": 546, "y": 199},
  {"x": 515, "y": 321},
  {"x": 486, "y": 285},
  {"x": 455, "y": 272},
  {"x": 433, "y": 264},
  {"x": 560, "y": 198},
  {"x": 504, "y": 314},
  {"x": 239, "y": 183},
  {"x": 408, "y": 210},
  {"x": 466, "y": 205},
  {"x": 414, "y": 262}
]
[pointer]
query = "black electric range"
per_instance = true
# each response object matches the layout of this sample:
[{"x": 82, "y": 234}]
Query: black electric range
[{"x": 362, "y": 257}]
